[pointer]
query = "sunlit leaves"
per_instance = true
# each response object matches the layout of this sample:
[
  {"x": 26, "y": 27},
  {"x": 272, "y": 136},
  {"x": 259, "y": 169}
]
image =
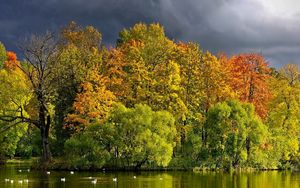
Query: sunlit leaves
[
  {"x": 285, "y": 110},
  {"x": 234, "y": 133},
  {"x": 2, "y": 54},
  {"x": 85, "y": 38},
  {"x": 249, "y": 78},
  {"x": 142, "y": 135},
  {"x": 15, "y": 90},
  {"x": 92, "y": 104},
  {"x": 15, "y": 94}
]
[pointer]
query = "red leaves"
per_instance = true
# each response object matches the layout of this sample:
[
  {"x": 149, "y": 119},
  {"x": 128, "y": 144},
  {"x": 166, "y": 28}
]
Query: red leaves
[
  {"x": 11, "y": 56},
  {"x": 249, "y": 79},
  {"x": 11, "y": 63}
]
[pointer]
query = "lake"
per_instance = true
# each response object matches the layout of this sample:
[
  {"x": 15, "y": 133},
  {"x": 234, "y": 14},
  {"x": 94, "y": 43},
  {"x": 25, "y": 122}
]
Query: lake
[{"x": 19, "y": 173}]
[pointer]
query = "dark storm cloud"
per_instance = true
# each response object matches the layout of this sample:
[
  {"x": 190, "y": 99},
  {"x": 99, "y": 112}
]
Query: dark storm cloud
[{"x": 232, "y": 26}]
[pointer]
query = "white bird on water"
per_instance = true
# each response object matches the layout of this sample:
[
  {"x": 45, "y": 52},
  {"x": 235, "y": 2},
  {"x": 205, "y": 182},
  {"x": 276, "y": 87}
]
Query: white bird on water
[
  {"x": 134, "y": 177},
  {"x": 48, "y": 172},
  {"x": 62, "y": 179},
  {"x": 90, "y": 177},
  {"x": 71, "y": 172},
  {"x": 28, "y": 170},
  {"x": 94, "y": 181},
  {"x": 115, "y": 179},
  {"x": 6, "y": 180},
  {"x": 11, "y": 181},
  {"x": 20, "y": 170}
]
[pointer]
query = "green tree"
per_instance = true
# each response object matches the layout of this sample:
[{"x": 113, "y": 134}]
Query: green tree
[
  {"x": 189, "y": 57},
  {"x": 2, "y": 54},
  {"x": 85, "y": 152},
  {"x": 153, "y": 71},
  {"x": 167, "y": 89},
  {"x": 40, "y": 55},
  {"x": 141, "y": 135},
  {"x": 15, "y": 95},
  {"x": 79, "y": 54},
  {"x": 284, "y": 113},
  {"x": 229, "y": 125},
  {"x": 150, "y": 60}
]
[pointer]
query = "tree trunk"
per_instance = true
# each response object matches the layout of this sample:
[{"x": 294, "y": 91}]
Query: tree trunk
[
  {"x": 44, "y": 128},
  {"x": 140, "y": 163},
  {"x": 203, "y": 136},
  {"x": 248, "y": 146}
]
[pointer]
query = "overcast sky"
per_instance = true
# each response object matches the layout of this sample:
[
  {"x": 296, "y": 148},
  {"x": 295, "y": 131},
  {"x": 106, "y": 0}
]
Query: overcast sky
[{"x": 270, "y": 27}]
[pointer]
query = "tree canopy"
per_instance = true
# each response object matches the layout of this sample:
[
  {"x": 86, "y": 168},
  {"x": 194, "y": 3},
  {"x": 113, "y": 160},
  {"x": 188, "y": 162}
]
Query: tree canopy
[{"x": 147, "y": 102}]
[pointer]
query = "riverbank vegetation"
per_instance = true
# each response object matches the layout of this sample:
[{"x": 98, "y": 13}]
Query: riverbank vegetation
[{"x": 148, "y": 102}]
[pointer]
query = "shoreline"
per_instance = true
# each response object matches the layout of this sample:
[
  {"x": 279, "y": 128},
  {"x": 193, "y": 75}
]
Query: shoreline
[{"x": 34, "y": 163}]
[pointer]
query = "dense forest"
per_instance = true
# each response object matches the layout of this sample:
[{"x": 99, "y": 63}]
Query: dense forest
[{"x": 148, "y": 102}]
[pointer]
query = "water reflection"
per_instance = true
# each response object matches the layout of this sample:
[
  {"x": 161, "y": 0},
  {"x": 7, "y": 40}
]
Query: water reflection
[{"x": 40, "y": 179}]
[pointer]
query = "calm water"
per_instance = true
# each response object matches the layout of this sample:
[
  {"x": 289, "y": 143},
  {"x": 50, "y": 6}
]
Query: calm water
[{"x": 39, "y": 179}]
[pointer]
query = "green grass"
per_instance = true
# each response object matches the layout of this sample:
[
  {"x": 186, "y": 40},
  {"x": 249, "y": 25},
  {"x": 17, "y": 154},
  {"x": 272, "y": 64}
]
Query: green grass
[{"x": 19, "y": 160}]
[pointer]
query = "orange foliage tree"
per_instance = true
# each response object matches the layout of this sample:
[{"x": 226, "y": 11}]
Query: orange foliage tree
[
  {"x": 250, "y": 75},
  {"x": 92, "y": 104},
  {"x": 12, "y": 62},
  {"x": 113, "y": 69}
]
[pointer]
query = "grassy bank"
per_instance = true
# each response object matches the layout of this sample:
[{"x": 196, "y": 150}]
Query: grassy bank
[{"x": 60, "y": 164}]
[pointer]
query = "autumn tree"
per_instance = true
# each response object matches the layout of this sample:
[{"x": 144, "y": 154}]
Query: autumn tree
[
  {"x": 189, "y": 57},
  {"x": 79, "y": 55},
  {"x": 92, "y": 103},
  {"x": 114, "y": 69},
  {"x": 205, "y": 81},
  {"x": 137, "y": 74},
  {"x": 249, "y": 78},
  {"x": 40, "y": 55},
  {"x": 286, "y": 102},
  {"x": 15, "y": 95},
  {"x": 153, "y": 73},
  {"x": 284, "y": 113},
  {"x": 2, "y": 54},
  {"x": 214, "y": 81}
]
